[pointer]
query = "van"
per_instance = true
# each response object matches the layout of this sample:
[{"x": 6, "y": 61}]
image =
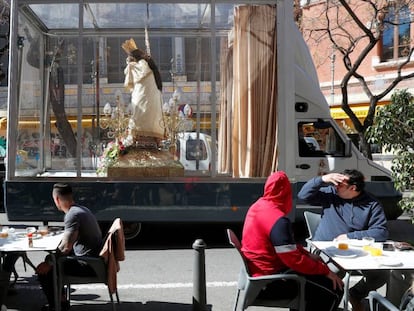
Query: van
[{"x": 194, "y": 151}]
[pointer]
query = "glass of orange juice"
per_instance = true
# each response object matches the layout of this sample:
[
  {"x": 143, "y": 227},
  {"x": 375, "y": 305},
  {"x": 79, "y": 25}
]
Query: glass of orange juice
[{"x": 376, "y": 249}]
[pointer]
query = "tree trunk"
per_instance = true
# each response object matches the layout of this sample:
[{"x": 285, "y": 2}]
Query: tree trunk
[
  {"x": 57, "y": 100},
  {"x": 365, "y": 146}
]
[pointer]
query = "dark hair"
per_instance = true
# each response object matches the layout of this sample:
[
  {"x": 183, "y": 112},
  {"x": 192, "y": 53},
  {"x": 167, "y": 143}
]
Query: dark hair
[
  {"x": 62, "y": 190},
  {"x": 355, "y": 178},
  {"x": 138, "y": 55}
]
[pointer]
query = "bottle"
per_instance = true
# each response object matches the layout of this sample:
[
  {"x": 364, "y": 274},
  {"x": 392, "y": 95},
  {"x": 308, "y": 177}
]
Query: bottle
[{"x": 30, "y": 238}]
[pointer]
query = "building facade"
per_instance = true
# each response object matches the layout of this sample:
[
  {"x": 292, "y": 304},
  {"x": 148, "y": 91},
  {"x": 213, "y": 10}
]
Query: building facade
[{"x": 379, "y": 68}]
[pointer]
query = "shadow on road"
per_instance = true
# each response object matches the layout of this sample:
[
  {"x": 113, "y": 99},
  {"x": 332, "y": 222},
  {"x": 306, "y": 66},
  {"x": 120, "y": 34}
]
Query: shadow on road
[
  {"x": 28, "y": 296},
  {"x": 128, "y": 306}
]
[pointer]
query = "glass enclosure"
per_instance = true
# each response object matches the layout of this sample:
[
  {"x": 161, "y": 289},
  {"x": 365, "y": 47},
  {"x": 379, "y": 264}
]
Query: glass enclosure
[{"x": 70, "y": 104}]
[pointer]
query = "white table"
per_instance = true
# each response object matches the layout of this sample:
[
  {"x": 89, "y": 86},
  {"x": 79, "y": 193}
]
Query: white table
[
  {"x": 355, "y": 259},
  {"x": 48, "y": 243}
]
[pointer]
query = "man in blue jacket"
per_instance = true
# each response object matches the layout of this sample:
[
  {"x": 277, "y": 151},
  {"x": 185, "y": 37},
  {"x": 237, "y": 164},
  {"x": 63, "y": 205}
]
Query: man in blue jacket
[{"x": 348, "y": 212}]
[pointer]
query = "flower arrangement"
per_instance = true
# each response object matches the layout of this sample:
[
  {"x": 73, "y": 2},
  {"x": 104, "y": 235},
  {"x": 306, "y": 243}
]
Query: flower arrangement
[{"x": 110, "y": 156}]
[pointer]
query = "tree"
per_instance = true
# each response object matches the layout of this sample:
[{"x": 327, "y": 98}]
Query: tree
[
  {"x": 355, "y": 28},
  {"x": 394, "y": 129}
]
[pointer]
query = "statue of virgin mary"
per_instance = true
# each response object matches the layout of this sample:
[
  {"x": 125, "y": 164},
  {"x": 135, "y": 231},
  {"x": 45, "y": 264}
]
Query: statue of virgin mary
[{"x": 143, "y": 80}]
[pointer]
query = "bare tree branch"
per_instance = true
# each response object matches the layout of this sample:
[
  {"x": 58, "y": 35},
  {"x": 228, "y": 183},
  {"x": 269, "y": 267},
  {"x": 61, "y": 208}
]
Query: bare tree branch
[{"x": 354, "y": 29}]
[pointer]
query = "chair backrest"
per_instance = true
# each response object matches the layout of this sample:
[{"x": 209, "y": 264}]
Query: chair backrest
[
  {"x": 117, "y": 238},
  {"x": 234, "y": 240},
  {"x": 312, "y": 222},
  {"x": 378, "y": 302}
]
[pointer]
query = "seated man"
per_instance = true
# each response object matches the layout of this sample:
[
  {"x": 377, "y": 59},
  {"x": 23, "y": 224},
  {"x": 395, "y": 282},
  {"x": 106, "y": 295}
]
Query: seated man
[
  {"x": 269, "y": 248},
  {"x": 82, "y": 237},
  {"x": 348, "y": 212}
]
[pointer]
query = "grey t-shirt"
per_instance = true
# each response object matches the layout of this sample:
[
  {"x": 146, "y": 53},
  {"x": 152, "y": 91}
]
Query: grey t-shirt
[{"x": 81, "y": 219}]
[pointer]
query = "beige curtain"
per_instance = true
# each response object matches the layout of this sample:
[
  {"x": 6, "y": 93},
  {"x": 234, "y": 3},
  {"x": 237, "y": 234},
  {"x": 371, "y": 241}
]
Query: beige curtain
[
  {"x": 226, "y": 92},
  {"x": 248, "y": 131}
]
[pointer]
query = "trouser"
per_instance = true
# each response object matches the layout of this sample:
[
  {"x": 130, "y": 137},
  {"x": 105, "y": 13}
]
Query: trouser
[
  {"x": 72, "y": 266},
  {"x": 4, "y": 285},
  {"x": 371, "y": 280},
  {"x": 319, "y": 294}
]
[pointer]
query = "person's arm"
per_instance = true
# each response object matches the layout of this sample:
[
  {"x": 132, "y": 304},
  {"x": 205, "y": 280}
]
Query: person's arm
[
  {"x": 310, "y": 191},
  {"x": 64, "y": 248},
  {"x": 317, "y": 192},
  {"x": 69, "y": 238},
  {"x": 296, "y": 257},
  {"x": 291, "y": 254}
]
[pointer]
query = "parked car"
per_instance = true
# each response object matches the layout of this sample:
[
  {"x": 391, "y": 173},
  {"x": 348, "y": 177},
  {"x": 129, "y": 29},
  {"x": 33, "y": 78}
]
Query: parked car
[{"x": 195, "y": 152}]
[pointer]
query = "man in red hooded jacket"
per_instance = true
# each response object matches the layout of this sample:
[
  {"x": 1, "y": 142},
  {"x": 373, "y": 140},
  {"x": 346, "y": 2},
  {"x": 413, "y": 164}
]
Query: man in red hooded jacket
[{"x": 270, "y": 248}]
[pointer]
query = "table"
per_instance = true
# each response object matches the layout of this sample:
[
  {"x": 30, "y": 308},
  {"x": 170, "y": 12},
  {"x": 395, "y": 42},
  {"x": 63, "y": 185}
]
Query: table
[
  {"x": 355, "y": 259},
  {"x": 48, "y": 243}
]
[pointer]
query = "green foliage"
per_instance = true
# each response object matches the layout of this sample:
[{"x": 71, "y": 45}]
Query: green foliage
[{"x": 394, "y": 129}]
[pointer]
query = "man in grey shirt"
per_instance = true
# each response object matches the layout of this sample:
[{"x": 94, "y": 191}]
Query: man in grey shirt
[{"x": 82, "y": 237}]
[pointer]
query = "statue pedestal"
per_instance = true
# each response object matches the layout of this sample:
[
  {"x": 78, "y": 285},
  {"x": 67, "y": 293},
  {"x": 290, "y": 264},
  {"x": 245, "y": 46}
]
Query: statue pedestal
[{"x": 146, "y": 163}]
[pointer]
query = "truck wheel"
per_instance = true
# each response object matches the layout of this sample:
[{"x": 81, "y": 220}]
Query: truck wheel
[{"x": 131, "y": 230}]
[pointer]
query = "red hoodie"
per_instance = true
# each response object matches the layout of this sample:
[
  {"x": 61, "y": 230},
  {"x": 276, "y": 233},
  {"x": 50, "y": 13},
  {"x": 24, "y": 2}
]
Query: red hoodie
[{"x": 267, "y": 242}]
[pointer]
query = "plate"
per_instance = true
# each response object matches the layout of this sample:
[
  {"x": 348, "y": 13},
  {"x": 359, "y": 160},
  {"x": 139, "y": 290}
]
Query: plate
[
  {"x": 343, "y": 253},
  {"x": 389, "y": 262}
]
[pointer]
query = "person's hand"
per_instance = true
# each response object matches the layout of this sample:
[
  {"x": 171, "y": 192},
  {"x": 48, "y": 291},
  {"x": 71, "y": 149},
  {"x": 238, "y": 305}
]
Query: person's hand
[
  {"x": 342, "y": 237},
  {"x": 335, "y": 178},
  {"x": 337, "y": 282},
  {"x": 43, "y": 268}
]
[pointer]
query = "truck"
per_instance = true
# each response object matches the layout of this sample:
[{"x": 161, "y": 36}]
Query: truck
[{"x": 242, "y": 67}]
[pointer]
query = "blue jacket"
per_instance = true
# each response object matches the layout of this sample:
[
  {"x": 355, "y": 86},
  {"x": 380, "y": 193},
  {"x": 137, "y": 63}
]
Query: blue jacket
[{"x": 358, "y": 217}]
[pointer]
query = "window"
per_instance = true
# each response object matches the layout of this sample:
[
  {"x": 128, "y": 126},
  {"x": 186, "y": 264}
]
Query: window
[
  {"x": 396, "y": 36},
  {"x": 318, "y": 139},
  {"x": 196, "y": 150}
]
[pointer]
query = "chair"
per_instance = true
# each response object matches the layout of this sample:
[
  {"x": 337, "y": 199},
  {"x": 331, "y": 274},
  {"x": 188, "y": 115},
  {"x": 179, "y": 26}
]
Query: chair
[
  {"x": 312, "y": 222},
  {"x": 99, "y": 265},
  {"x": 376, "y": 300},
  {"x": 251, "y": 286}
]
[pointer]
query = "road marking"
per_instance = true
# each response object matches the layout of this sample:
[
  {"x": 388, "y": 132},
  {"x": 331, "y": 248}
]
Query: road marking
[{"x": 135, "y": 286}]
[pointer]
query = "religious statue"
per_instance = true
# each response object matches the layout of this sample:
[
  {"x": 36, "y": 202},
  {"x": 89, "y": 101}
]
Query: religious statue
[
  {"x": 143, "y": 80},
  {"x": 141, "y": 153}
]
